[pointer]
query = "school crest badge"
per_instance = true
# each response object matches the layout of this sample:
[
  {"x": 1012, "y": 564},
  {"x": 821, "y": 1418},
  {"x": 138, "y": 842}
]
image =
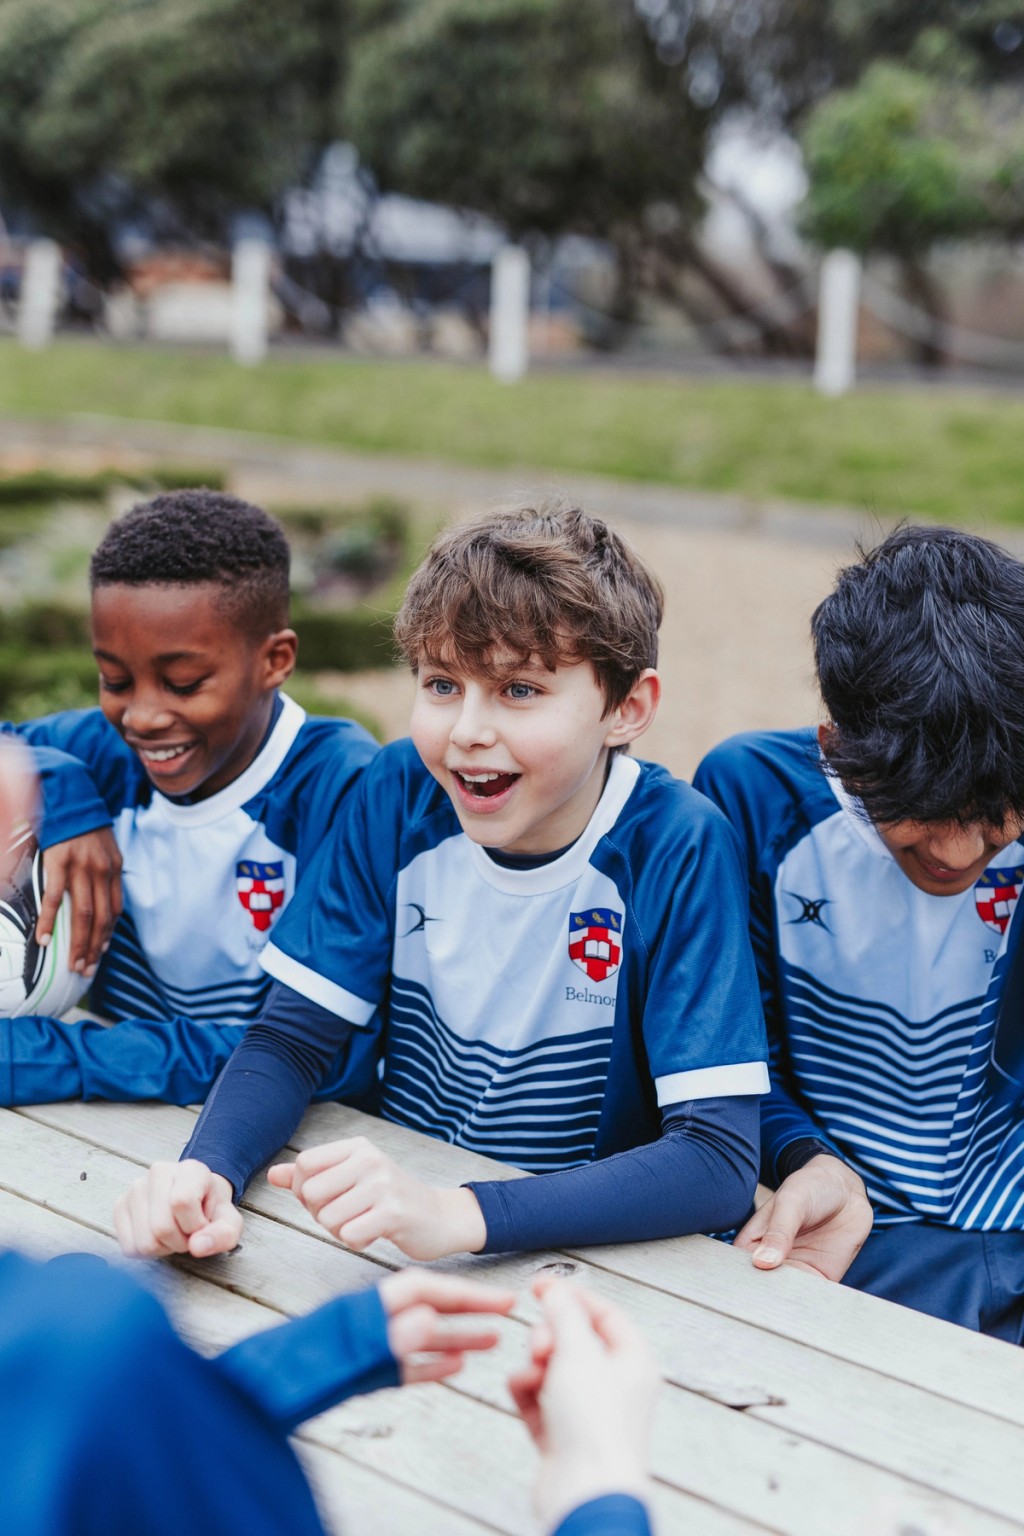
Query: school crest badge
[
  {"x": 996, "y": 895},
  {"x": 260, "y": 890},
  {"x": 595, "y": 942}
]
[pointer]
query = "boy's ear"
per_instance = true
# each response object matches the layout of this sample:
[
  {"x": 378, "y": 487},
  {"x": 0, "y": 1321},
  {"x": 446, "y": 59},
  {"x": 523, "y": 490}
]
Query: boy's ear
[
  {"x": 632, "y": 717},
  {"x": 279, "y": 652}
]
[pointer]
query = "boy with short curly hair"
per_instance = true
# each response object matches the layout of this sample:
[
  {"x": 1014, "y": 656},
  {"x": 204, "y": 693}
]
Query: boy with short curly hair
[
  {"x": 212, "y": 786},
  {"x": 884, "y": 891},
  {"x": 551, "y": 934}
]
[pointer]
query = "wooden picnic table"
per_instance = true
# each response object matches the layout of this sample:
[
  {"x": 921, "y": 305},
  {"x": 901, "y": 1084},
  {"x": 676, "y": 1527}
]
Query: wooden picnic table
[{"x": 791, "y": 1406}]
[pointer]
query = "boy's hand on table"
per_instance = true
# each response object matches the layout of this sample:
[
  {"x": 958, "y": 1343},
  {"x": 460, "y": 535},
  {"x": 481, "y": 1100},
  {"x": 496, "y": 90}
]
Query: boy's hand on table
[
  {"x": 416, "y": 1301},
  {"x": 89, "y": 869},
  {"x": 359, "y": 1194},
  {"x": 817, "y": 1219},
  {"x": 587, "y": 1398},
  {"x": 178, "y": 1208}
]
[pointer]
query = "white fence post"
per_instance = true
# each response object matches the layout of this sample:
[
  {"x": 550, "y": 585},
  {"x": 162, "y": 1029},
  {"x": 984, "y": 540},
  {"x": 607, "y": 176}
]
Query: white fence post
[
  {"x": 250, "y": 282},
  {"x": 40, "y": 293},
  {"x": 835, "y": 364},
  {"x": 508, "y": 353}
]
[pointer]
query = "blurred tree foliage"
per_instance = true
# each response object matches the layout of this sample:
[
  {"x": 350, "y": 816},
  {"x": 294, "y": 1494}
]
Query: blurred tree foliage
[
  {"x": 547, "y": 115},
  {"x": 895, "y": 163},
  {"x": 192, "y": 109},
  {"x": 551, "y": 116},
  {"x": 780, "y": 58},
  {"x": 912, "y": 155}
]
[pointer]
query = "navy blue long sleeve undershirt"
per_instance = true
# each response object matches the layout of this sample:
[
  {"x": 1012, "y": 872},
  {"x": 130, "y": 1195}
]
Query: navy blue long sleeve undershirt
[{"x": 698, "y": 1176}]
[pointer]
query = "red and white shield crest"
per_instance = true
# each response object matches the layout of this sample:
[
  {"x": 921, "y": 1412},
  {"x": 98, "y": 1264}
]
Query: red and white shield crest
[
  {"x": 996, "y": 894},
  {"x": 260, "y": 890},
  {"x": 595, "y": 942}
]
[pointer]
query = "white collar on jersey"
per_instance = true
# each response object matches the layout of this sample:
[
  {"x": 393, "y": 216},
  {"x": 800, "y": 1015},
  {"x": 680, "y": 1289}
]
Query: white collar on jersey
[
  {"x": 622, "y": 778},
  {"x": 858, "y": 817},
  {"x": 249, "y": 782}
]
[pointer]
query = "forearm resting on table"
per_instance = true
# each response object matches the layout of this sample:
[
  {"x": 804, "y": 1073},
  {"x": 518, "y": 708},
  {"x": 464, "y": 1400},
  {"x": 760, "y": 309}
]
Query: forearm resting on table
[
  {"x": 699, "y": 1176},
  {"x": 264, "y": 1090}
]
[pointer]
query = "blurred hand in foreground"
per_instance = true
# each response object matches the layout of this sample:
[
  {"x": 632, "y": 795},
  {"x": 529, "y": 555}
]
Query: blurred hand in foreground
[
  {"x": 587, "y": 1398},
  {"x": 416, "y": 1303}
]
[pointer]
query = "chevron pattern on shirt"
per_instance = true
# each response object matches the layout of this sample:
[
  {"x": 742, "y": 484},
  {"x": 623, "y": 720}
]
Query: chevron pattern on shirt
[
  {"x": 537, "y": 1107},
  {"x": 907, "y": 1100}
]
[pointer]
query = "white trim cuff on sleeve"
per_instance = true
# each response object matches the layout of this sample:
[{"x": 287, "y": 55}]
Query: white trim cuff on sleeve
[
  {"x": 353, "y": 1009},
  {"x": 739, "y": 1077}
]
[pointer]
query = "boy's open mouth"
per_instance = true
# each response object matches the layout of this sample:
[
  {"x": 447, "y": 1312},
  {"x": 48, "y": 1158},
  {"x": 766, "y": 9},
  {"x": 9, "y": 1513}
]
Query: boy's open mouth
[{"x": 484, "y": 786}]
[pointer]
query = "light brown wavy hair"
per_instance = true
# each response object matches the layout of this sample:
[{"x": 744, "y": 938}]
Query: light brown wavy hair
[{"x": 550, "y": 582}]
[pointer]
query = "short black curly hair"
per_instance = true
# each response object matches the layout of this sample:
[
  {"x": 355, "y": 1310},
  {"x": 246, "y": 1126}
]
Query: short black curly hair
[
  {"x": 191, "y": 537},
  {"x": 920, "y": 659}
]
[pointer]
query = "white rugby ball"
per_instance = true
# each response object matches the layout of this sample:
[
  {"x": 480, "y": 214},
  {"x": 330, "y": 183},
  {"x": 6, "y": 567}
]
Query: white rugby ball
[{"x": 33, "y": 979}]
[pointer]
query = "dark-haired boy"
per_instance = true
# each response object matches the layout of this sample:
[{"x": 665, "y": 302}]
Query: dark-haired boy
[
  {"x": 219, "y": 789},
  {"x": 886, "y": 861},
  {"x": 552, "y": 936}
]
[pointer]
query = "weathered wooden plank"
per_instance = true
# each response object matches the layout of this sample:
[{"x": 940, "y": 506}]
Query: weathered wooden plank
[
  {"x": 948, "y": 1361},
  {"x": 773, "y": 1462},
  {"x": 952, "y": 1363},
  {"x": 212, "y": 1318},
  {"x": 354, "y": 1501},
  {"x": 405, "y": 1435},
  {"x": 750, "y": 1469},
  {"x": 208, "y": 1316},
  {"x": 354, "y": 1497}
]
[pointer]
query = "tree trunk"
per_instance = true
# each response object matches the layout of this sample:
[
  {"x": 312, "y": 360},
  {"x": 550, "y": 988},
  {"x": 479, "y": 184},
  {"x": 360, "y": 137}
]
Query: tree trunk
[
  {"x": 921, "y": 289},
  {"x": 776, "y": 337}
]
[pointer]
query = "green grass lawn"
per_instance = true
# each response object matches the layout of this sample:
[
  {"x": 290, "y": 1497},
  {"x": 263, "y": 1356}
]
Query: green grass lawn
[{"x": 900, "y": 451}]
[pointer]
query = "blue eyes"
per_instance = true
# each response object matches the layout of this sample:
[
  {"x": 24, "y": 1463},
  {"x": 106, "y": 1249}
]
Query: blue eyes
[{"x": 446, "y": 688}]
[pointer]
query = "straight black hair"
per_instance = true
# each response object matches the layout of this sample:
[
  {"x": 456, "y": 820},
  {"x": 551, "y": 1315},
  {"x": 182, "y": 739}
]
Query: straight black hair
[{"x": 920, "y": 659}]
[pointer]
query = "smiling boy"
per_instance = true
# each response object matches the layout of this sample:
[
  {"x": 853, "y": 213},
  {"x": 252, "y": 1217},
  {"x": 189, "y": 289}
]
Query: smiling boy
[
  {"x": 211, "y": 785},
  {"x": 886, "y": 861},
  {"x": 551, "y": 935}
]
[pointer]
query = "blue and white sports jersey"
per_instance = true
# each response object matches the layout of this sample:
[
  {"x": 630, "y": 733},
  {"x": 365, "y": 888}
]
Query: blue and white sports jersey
[
  {"x": 204, "y": 883},
  {"x": 881, "y": 1001},
  {"x": 540, "y": 1016}
]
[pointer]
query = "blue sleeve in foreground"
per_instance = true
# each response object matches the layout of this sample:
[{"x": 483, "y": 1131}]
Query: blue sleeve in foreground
[
  {"x": 110, "y": 1423},
  {"x": 699, "y": 1176},
  {"x": 307, "y": 1365},
  {"x": 262, "y": 1094},
  {"x": 614, "y": 1514}
]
